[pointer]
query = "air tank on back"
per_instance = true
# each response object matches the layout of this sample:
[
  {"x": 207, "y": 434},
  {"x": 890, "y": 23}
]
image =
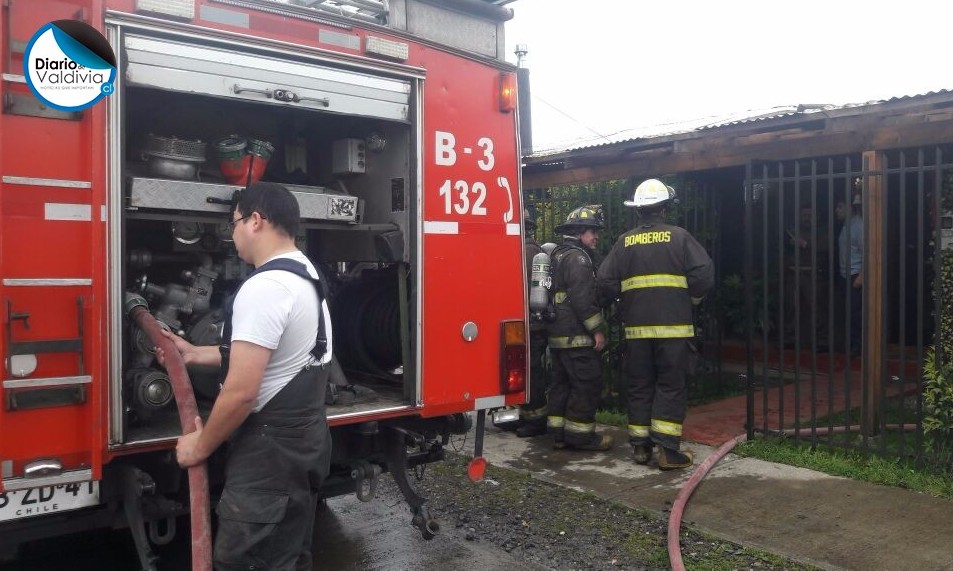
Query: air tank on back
[{"x": 540, "y": 282}]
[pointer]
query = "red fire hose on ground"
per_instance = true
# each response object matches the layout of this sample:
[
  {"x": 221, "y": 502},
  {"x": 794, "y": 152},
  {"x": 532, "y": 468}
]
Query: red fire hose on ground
[
  {"x": 681, "y": 500},
  {"x": 188, "y": 410}
]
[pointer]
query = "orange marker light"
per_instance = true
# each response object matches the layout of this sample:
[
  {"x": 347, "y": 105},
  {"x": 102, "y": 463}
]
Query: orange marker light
[
  {"x": 514, "y": 333},
  {"x": 507, "y": 92}
]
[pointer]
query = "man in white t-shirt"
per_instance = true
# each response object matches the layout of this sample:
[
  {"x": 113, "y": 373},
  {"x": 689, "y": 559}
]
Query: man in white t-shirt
[{"x": 275, "y": 348}]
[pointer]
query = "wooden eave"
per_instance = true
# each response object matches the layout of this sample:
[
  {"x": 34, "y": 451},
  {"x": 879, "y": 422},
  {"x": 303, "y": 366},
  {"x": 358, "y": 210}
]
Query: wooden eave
[{"x": 899, "y": 123}]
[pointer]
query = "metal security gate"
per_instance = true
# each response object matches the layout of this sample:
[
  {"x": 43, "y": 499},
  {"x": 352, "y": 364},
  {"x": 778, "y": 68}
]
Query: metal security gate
[{"x": 805, "y": 377}]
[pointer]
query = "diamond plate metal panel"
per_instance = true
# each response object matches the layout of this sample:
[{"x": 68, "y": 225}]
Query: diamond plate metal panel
[{"x": 315, "y": 202}]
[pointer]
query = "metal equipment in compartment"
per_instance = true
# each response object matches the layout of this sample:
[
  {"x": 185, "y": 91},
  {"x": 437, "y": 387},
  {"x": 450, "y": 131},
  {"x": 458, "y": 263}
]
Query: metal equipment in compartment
[
  {"x": 315, "y": 202},
  {"x": 172, "y": 157}
]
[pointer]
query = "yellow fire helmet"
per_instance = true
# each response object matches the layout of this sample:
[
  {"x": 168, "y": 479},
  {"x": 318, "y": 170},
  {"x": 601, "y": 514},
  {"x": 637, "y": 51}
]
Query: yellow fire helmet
[{"x": 582, "y": 219}]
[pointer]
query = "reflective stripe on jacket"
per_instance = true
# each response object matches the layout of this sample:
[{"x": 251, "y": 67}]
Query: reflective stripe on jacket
[{"x": 658, "y": 269}]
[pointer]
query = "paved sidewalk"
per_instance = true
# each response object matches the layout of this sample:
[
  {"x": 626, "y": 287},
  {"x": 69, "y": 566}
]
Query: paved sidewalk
[{"x": 831, "y": 522}]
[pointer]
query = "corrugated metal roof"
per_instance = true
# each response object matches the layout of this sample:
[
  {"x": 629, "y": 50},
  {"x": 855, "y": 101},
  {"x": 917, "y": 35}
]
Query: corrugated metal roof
[
  {"x": 669, "y": 129},
  {"x": 720, "y": 121}
]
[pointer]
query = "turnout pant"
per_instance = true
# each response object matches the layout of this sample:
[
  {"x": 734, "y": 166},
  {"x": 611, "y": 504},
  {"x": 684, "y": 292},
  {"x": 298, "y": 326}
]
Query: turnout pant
[
  {"x": 574, "y": 395},
  {"x": 655, "y": 377},
  {"x": 535, "y": 410},
  {"x": 276, "y": 462}
]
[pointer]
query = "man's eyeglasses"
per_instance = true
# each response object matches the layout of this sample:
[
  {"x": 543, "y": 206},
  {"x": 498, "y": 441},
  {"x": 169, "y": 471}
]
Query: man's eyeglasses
[{"x": 233, "y": 223}]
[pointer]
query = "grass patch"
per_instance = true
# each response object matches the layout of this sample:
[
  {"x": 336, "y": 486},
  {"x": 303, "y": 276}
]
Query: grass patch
[
  {"x": 888, "y": 442},
  {"x": 651, "y": 548},
  {"x": 850, "y": 464},
  {"x": 724, "y": 557},
  {"x": 612, "y": 418}
]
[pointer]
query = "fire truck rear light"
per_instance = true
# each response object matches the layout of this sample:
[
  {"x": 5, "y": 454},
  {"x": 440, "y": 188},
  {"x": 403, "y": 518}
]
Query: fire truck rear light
[
  {"x": 387, "y": 48},
  {"x": 513, "y": 357},
  {"x": 507, "y": 92},
  {"x": 514, "y": 333},
  {"x": 175, "y": 8},
  {"x": 516, "y": 378}
]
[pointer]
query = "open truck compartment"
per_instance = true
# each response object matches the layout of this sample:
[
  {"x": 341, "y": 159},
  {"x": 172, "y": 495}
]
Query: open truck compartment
[
  {"x": 195, "y": 121},
  {"x": 395, "y": 127}
]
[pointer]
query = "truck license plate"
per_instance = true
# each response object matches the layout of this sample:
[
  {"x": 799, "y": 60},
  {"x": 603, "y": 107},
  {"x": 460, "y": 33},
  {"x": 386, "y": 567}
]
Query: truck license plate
[{"x": 47, "y": 500}]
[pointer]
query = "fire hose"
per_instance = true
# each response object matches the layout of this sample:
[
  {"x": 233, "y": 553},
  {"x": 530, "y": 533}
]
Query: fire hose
[
  {"x": 681, "y": 500},
  {"x": 188, "y": 410},
  {"x": 685, "y": 492}
]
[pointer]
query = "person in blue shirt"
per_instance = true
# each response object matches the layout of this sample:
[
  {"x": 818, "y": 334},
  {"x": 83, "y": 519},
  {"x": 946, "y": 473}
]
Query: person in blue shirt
[{"x": 851, "y": 246}]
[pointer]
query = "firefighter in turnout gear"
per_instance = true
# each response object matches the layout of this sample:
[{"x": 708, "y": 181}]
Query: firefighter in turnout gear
[
  {"x": 533, "y": 413},
  {"x": 576, "y": 335},
  {"x": 660, "y": 271}
]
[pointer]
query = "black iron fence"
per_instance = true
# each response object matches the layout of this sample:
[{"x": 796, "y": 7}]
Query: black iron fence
[
  {"x": 844, "y": 301},
  {"x": 778, "y": 326}
]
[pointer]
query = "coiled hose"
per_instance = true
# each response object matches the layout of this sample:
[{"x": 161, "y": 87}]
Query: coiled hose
[{"x": 188, "y": 410}]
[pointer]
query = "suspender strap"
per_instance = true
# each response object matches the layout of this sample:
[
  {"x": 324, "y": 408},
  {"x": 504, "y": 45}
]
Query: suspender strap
[{"x": 288, "y": 265}]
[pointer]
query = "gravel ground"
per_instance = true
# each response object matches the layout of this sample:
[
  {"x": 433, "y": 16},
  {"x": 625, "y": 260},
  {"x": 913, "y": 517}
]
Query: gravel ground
[{"x": 549, "y": 527}]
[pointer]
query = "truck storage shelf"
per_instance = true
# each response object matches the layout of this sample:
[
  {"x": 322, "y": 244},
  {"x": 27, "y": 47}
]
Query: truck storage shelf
[{"x": 315, "y": 202}]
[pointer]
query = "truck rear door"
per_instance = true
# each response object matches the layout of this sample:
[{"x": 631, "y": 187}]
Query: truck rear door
[{"x": 472, "y": 243}]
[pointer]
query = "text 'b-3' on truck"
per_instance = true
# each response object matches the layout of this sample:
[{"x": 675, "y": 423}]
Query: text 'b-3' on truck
[{"x": 393, "y": 123}]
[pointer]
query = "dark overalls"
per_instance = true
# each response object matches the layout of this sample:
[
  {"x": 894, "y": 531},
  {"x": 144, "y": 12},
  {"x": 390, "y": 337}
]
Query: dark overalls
[
  {"x": 276, "y": 462},
  {"x": 576, "y": 377}
]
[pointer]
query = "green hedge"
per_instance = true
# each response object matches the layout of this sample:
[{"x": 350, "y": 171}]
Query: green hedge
[{"x": 938, "y": 368}]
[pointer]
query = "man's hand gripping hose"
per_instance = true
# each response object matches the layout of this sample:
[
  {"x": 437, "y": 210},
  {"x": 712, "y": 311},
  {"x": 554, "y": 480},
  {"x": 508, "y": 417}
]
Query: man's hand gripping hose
[{"x": 188, "y": 412}]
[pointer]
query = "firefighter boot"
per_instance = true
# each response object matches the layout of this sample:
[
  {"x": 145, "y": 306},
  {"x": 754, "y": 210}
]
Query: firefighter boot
[
  {"x": 642, "y": 452},
  {"x": 532, "y": 428},
  {"x": 671, "y": 459},
  {"x": 599, "y": 442},
  {"x": 554, "y": 426},
  {"x": 559, "y": 439}
]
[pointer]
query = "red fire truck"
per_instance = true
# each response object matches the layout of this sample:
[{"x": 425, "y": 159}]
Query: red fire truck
[{"x": 393, "y": 122}]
